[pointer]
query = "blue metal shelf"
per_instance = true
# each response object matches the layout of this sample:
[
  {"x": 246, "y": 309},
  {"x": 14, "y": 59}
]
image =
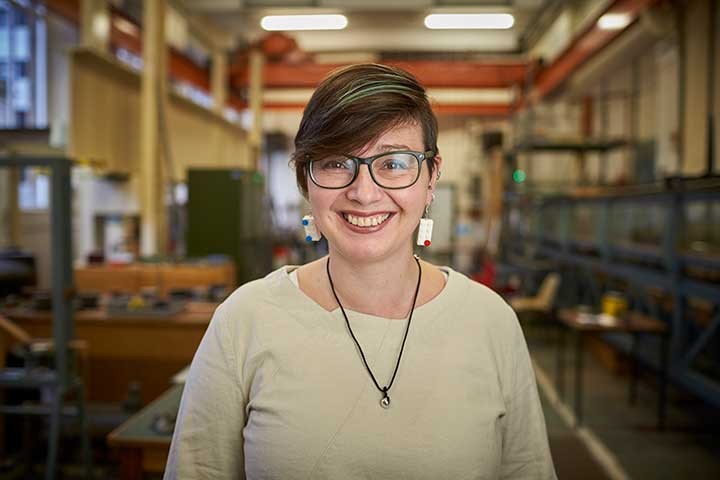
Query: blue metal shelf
[{"x": 639, "y": 266}]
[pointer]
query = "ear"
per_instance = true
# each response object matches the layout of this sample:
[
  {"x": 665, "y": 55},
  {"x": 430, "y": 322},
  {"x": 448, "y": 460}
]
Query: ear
[{"x": 434, "y": 179}]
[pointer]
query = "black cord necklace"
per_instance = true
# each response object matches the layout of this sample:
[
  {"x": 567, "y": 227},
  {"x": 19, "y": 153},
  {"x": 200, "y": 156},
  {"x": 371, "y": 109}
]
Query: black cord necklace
[{"x": 385, "y": 401}]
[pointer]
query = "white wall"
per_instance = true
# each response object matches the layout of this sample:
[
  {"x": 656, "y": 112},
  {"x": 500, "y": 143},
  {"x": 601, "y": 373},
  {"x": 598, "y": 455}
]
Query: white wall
[{"x": 94, "y": 196}]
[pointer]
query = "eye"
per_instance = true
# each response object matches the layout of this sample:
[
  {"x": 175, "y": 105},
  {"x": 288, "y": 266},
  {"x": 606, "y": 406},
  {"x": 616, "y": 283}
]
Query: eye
[
  {"x": 395, "y": 162},
  {"x": 330, "y": 164}
]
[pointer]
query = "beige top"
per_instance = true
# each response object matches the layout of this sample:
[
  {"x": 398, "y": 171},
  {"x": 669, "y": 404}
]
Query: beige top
[{"x": 277, "y": 390}]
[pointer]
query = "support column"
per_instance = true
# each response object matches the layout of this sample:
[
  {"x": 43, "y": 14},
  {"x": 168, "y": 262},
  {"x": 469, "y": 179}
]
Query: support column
[
  {"x": 218, "y": 80},
  {"x": 494, "y": 215},
  {"x": 9, "y": 211},
  {"x": 153, "y": 235},
  {"x": 218, "y": 90},
  {"x": 95, "y": 24},
  {"x": 695, "y": 99},
  {"x": 257, "y": 62}
]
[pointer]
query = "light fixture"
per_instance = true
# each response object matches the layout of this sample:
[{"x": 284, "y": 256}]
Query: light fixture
[
  {"x": 125, "y": 26},
  {"x": 303, "y": 22},
  {"x": 492, "y": 21},
  {"x": 613, "y": 21}
]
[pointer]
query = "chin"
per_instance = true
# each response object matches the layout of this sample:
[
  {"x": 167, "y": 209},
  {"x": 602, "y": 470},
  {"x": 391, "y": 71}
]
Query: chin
[{"x": 366, "y": 252}]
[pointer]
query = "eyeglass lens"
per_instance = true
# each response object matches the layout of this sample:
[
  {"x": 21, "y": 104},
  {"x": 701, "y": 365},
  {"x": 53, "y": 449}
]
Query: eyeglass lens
[{"x": 394, "y": 170}]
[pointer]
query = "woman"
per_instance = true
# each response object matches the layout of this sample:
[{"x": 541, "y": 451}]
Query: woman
[{"x": 367, "y": 363}]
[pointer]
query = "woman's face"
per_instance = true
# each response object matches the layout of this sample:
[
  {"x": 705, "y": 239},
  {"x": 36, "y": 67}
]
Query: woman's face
[{"x": 341, "y": 214}]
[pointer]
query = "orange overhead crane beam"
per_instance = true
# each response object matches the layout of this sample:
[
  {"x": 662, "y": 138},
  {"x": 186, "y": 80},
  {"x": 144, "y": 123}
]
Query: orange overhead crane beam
[
  {"x": 125, "y": 33},
  {"x": 585, "y": 45},
  {"x": 433, "y": 74}
]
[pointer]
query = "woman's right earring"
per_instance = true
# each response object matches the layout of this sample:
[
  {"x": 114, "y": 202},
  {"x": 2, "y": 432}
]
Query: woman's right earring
[{"x": 312, "y": 234}]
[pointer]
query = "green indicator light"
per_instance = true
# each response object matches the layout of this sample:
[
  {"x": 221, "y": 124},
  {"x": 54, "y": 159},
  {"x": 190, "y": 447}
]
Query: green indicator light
[{"x": 519, "y": 176}]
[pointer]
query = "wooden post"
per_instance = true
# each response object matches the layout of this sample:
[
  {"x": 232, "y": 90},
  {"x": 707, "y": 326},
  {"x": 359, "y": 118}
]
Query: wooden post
[
  {"x": 14, "y": 206},
  {"x": 95, "y": 24},
  {"x": 695, "y": 94},
  {"x": 257, "y": 62},
  {"x": 9, "y": 209},
  {"x": 153, "y": 90},
  {"x": 494, "y": 209},
  {"x": 218, "y": 80}
]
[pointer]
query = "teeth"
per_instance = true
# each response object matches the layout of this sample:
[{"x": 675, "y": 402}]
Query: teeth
[{"x": 366, "y": 221}]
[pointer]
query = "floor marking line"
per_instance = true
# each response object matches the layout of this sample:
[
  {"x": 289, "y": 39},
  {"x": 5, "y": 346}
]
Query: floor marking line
[{"x": 597, "y": 448}]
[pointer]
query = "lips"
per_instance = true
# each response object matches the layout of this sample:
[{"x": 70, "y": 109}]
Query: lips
[{"x": 366, "y": 221}]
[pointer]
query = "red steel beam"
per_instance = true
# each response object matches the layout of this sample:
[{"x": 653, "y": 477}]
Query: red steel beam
[
  {"x": 479, "y": 110},
  {"x": 433, "y": 74},
  {"x": 68, "y": 9},
  {"x": 585, "y": 45}
]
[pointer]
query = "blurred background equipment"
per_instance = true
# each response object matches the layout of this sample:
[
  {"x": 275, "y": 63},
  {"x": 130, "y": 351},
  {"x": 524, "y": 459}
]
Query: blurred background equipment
[
  {"x": 227, "y": 215},
  {"x": 580, "y": 182}
]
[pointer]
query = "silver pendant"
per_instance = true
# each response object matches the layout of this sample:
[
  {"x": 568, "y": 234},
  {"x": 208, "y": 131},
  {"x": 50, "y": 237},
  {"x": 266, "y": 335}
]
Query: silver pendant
[{"x": 385, "y": 402}]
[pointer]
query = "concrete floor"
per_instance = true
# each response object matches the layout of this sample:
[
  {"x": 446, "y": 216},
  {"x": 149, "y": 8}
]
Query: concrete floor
[{"x": 623, "y": 435}]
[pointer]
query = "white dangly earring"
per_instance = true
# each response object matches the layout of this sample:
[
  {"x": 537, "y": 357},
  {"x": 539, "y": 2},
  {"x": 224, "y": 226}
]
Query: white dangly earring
[
  {"x": 312, "y": 234},
  {"x": 425, "y": 229}
]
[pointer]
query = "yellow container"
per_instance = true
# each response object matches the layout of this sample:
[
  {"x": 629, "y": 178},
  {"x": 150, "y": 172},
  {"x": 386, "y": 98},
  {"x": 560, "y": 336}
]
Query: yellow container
[{"x": 614, "y": 304}]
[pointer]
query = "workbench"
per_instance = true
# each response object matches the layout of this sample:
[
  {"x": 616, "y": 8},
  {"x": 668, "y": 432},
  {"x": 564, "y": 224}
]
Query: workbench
[
  {"x": 142, "y": 448},
  {"x": 633, "y": 323},
  {"x": 124, "y": 349}
]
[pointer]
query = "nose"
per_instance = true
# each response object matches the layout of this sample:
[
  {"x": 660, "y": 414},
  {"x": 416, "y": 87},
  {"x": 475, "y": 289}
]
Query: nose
[{"x": 364, "y": 190}]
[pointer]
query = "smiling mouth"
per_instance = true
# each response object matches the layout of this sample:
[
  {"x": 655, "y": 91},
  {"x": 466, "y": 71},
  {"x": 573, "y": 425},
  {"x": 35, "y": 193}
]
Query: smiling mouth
[{"x": 366, "y": 222}]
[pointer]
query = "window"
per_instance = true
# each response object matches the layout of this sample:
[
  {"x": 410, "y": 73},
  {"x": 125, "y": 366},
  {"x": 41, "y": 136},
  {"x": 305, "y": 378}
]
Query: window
[
  {"x": 23, "y": 54},
  {"x": 34, "y": 189}
]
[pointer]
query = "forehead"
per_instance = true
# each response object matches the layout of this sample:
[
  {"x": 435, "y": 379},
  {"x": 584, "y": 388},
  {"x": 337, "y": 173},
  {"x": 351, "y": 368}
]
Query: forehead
[{"x": 407, "y": 136}]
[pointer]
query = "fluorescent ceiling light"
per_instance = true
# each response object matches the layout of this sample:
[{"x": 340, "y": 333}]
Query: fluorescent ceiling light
[
  {"x": 613, "y": 21},
  {"x": 494, "y": 21},
  {"x": 303, "y": 22}
]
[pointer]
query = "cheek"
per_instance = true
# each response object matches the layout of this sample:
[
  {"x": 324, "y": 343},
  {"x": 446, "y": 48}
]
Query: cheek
[
  {"x": 320, "y": 203},
  {"x": 414, "y": 203}
]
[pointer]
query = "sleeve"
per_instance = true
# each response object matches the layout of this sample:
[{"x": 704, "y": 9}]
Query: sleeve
[
  {"x": 525, "y": 448},
  {"x": 208, "y": 438}
]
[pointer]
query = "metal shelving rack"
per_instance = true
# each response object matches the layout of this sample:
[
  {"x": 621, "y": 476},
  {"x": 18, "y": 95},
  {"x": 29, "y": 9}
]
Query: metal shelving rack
[
  {"x": 656, "y": 266},
  {"x": 62, "y": 378}
]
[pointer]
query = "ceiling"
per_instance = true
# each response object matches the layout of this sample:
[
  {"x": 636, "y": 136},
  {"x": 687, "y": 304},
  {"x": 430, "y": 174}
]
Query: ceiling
[{"x": 380, "y": 26}]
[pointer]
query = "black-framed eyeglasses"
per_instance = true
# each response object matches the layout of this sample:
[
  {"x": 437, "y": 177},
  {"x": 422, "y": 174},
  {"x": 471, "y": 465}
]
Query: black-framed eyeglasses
[{"x": 391, "y": 170}]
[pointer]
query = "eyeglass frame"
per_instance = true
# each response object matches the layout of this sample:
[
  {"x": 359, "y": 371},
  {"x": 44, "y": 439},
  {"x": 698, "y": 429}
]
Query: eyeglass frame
[{"x": 360, "y": 161}]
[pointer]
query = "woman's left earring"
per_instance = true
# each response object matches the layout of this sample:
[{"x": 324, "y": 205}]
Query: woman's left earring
[
  {"x": 312, "y": 234},
  {"x": 425, "y": 229}
]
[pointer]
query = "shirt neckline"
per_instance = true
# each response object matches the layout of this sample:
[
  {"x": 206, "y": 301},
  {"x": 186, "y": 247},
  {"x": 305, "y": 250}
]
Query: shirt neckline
[{"x": 433, "y": 304}]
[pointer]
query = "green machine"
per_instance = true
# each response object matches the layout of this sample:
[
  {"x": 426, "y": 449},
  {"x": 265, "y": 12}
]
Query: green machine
[{"x": 228, "y": 215}]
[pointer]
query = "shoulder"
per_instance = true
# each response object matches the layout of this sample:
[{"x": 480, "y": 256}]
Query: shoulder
[
  {"x": 258, "y": 292},
  {"x": 268, "y": 309},
  {"x": 252, "y": 301},
  {"x": 475, "y": 295},
  {"x": 482, "y": 309}
]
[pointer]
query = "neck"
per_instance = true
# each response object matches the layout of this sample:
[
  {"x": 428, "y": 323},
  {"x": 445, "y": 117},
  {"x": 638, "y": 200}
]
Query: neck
[{"x": 383, "y": 288}]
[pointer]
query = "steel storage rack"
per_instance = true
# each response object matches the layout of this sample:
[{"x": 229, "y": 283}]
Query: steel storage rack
[
  {"x": 62, "y": 378},
  {"x": 659, "y": 243}
]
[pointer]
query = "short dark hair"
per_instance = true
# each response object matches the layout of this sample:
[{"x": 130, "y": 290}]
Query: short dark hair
[{"x": 354, "y": 106}]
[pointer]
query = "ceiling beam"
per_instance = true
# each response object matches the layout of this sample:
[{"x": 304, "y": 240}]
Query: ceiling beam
[
  {"x": 432, "y": 74},
  {"x": 586, "y": 45}
]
